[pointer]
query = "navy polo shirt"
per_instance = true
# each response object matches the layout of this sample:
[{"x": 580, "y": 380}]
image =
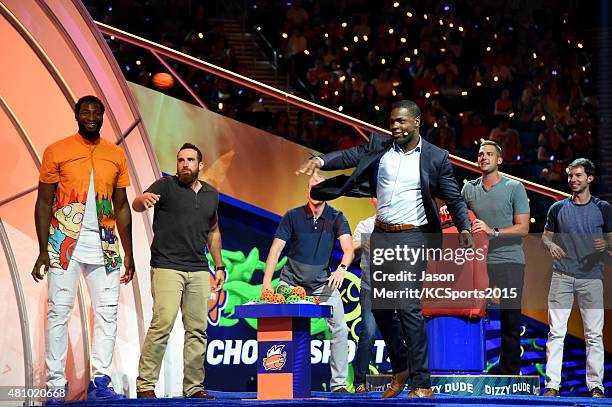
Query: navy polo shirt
[{"x": 311, "y": 244}]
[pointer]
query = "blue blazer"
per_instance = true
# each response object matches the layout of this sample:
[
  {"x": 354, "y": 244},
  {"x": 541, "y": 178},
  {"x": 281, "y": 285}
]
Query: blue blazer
[{"x": 437, "y": 178}]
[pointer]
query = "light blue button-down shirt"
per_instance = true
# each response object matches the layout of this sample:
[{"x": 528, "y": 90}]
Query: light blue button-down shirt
[{"x": 398, "y": 187}]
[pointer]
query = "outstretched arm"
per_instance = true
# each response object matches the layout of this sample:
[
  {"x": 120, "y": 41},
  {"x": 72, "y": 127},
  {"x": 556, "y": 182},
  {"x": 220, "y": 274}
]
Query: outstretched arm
[{"x": 275, "y": 250}]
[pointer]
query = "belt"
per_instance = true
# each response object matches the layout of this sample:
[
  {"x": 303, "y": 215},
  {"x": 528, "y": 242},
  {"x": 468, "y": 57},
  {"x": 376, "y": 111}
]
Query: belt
[{"x": 394, "y": 228}]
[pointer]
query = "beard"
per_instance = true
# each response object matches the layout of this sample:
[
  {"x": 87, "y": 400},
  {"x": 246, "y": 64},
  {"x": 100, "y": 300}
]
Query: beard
[
  {"x": 187, "y": 178},
  {"x": 89, "y": 135}
]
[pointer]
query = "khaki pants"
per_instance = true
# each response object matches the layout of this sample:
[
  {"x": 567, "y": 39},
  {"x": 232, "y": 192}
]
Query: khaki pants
[{"x": 172, "y": 289}]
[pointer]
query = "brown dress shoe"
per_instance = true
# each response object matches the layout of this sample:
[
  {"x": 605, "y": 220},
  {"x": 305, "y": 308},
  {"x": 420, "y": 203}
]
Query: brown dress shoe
[
  {"x": 398, "y": 381},
  {"x": 598, "y": 393},
  {"x": 551, "y": 393},
  {"x": 201, "y": 395},
  {"x": 147, "y": 394},
  {"x": 361, "y": 388},
  {"x": 420, "y": 393}
]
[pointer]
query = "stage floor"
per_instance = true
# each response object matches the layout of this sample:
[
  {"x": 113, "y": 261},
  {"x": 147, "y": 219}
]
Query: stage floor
[{"x": 368, "y": 399}]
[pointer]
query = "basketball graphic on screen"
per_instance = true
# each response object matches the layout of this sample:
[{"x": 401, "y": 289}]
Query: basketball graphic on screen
[
  {"x": 163, "y": 81},
  {"x": 275, "y": 358}
]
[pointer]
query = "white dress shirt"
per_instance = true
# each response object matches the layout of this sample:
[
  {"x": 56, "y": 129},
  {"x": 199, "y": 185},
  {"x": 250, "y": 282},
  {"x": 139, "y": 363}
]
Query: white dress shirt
[{"x": 398, "y": 187}]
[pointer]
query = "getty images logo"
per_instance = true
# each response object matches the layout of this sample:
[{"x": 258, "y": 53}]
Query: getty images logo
[{"x": 275, "y": 358}]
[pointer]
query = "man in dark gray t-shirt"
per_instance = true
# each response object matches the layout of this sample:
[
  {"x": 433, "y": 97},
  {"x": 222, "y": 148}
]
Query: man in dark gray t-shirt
[
  {"x": 501, "y": 207},
  {"x": 185, "y": 223}
]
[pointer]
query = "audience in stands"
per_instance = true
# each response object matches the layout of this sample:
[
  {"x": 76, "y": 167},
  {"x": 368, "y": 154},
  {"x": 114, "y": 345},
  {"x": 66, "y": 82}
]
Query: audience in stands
[{"x": 468, "y": 64}]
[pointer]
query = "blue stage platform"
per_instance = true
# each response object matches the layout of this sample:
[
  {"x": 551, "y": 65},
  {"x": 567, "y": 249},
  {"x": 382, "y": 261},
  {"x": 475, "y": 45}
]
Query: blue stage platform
[{"x": 368, "y": 399}]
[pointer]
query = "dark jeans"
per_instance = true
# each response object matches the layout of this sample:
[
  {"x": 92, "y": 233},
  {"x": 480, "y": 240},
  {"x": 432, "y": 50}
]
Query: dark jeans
[
  {"x": 407, "y": 340},
  {"x": 367, "y": 336},
  {"x": 510, "y": 275}
]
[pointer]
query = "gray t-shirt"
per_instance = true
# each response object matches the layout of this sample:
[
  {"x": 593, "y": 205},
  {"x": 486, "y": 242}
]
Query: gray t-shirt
[{"x": 497, "y": 208}]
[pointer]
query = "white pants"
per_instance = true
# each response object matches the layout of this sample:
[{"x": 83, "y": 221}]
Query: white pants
[
  {"x": 104, "y": 293},
  {"x": 589, "y": 294},
  {"x": 339, "y": 335}
]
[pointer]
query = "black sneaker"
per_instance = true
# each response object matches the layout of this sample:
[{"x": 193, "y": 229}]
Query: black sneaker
[{"x": 597, "y": 393}]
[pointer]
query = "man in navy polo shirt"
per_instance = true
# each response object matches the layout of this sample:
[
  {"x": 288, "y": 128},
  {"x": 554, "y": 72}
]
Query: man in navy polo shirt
[{"x": 311, "y": 231}]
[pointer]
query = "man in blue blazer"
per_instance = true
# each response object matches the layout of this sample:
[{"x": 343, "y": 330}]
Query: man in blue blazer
[{"x": 406, "y": 174}]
